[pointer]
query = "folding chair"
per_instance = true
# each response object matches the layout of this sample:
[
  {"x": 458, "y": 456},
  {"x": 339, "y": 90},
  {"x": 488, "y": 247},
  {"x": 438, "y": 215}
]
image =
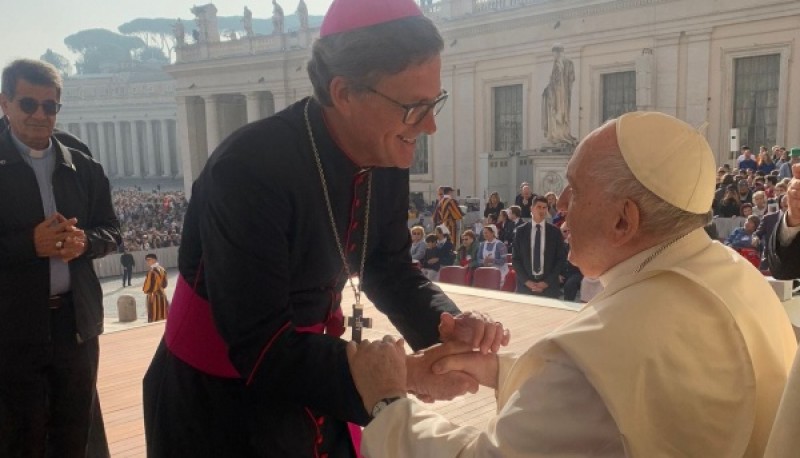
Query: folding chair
[
  {"x": 455, "y": 275},
  {"x": 486, "y": 277}
]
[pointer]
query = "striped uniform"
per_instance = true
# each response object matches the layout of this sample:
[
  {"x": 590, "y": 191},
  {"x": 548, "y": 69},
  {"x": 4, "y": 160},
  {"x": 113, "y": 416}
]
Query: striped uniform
[
  {"x": 154, "y": 285},
  {"x": 448, "y": 213}
]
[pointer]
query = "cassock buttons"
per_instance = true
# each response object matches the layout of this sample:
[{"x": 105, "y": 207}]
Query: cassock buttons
[
  {"x": 354, "y": 226},
  {"x": 357, "y": 203},
  {"x": 352, "y": 247}
]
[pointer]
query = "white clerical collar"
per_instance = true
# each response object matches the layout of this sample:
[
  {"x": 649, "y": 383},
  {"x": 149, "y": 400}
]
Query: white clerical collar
[{"x": 27, "y": 150}]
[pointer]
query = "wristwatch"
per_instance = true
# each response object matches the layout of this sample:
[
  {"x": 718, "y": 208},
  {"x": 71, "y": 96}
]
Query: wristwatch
[{"x": 382, "y": 404}]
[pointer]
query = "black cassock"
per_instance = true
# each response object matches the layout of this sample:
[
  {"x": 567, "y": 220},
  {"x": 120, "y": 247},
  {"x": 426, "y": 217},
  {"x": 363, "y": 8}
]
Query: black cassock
[{"x": 257, "y": 244}]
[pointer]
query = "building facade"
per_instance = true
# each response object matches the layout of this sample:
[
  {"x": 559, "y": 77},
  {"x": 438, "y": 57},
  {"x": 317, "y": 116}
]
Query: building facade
[
  {"x": 128, "y": 120},
  {"x": 717, "y": 65}
]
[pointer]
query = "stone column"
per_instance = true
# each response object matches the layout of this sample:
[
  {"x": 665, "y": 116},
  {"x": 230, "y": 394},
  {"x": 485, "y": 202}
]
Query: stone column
[
  {"x": 150, "y": 150},
  {"x": 137, "y": 166},
  {"x": 102, "y": 148},
  {"x": 281, "y": 99},
  {"x": 253, "y": 106},
  {"x": 118, "y": 149},
  {"x": 212, "y": 123},
  {"x": 166, "y": 154},
  {"x": 84, "y": 132}
]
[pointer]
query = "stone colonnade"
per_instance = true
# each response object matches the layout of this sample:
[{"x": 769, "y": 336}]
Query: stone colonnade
[
  {"x": 205, "y": 120},
  {"x": 132, "y": 148}
]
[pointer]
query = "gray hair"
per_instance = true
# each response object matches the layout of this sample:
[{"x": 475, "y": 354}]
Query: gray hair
[
  {"x": 658, "y": 217},
  {"x": 363, "y": 56},
  {"x": 36, "y": 72}
]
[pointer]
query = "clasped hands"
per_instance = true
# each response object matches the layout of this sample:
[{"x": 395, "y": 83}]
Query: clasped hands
[
  {"x": 466, "y": 359},
  {"x": 536, "y": 286},
  {"x": 58, "y": 236}
]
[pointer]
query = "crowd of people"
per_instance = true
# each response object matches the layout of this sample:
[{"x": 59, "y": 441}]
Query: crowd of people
[
  {"x": 149, "y": 220},
  {"x": 748, "y": 199},
  {"x": 538, "y": 268}
]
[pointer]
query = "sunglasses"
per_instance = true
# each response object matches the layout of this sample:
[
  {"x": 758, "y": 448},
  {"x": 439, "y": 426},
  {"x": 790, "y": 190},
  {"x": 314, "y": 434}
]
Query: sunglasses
[{"x": 30, "y": 106}]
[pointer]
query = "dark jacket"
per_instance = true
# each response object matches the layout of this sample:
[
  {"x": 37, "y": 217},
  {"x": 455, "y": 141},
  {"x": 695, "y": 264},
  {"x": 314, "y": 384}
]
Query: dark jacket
[
  {"x": 784, "y": 261},
  {"x": 82, "y": 191},
  {"x": 127, "y": 260},
  {"x": 555, "y": 256}
]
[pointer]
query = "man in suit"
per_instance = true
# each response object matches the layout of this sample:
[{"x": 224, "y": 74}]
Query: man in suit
[{"x": 539, "y": 254}]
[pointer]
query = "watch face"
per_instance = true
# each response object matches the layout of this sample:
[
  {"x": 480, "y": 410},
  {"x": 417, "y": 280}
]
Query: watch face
[{"x": 382, "y": 404}]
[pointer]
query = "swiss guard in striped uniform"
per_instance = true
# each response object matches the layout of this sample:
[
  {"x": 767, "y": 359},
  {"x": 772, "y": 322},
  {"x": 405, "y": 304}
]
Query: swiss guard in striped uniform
[{"x": 154, "y": 285}]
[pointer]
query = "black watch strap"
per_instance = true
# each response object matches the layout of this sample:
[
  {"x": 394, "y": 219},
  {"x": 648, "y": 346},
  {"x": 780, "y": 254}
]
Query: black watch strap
[{"x": 382, "y": 404}]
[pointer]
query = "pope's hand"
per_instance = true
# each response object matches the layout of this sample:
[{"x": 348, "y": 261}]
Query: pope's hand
[
  {"x": 474, "y": 328},
  {"x": 429, "y": 387},
  {"x": 483, "y": 368}
]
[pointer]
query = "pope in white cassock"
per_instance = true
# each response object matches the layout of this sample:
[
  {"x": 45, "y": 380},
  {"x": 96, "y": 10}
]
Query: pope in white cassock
[{"x": 684, "y": 353}]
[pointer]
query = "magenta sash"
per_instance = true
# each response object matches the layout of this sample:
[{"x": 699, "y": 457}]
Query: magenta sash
[{"x": 192, "y": 337}]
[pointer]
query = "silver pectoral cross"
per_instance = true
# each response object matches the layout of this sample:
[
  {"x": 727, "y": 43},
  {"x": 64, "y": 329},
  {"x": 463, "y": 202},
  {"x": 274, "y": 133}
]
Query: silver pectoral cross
[{"x": 358, "y": 321}]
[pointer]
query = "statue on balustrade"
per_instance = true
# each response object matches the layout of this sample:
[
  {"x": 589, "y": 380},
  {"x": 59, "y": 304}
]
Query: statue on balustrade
[
  {"x": 556, "y": 101},
  {"x": 302, "y": 14},
  {"x": 247, "y": 21},
  {"x": 277, "y": 18},
  {"x": 180, "y": 33}
]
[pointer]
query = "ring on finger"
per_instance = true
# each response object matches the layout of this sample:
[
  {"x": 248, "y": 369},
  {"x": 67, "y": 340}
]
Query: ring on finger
[{"x": 59, "y": 244}]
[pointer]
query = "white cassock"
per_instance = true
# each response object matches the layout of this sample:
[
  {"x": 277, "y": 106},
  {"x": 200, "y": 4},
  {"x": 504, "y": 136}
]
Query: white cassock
[{"x": 688, "y": 357}]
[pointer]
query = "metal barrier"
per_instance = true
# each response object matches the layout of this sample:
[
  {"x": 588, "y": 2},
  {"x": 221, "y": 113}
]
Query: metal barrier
[{"x": 109, "y": 266}]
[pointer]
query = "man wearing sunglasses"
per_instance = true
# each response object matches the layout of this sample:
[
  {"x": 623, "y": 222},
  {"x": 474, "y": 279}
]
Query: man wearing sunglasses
[{"x": 55, "y": 217}]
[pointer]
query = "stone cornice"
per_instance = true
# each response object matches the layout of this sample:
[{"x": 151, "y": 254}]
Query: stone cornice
[{"x": 533, "y": 15}]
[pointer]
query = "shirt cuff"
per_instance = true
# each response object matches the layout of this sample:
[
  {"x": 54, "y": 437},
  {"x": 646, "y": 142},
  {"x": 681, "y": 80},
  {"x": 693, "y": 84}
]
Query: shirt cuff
[{"x": 787, "y": 234}]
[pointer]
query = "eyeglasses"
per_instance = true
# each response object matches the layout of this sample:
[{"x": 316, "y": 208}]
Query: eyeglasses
[
  {"x": 416, "y": 112},
  {"x": 30, "y": 106}
]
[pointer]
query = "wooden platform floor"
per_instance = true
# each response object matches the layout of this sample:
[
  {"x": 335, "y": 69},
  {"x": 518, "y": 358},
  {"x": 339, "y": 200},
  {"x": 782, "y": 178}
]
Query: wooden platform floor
[{"x": 125, "y": 355}]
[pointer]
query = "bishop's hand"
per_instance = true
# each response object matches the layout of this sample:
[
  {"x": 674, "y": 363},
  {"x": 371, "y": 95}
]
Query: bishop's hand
[{"x": 474, "y": 328}]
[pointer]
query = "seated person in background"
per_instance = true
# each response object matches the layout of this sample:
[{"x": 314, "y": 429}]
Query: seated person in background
[
  {"x": 722, "y": 187},
  {"x": 742, "y": 237},
  {"x": 572, "y": 278},
  {"x": 764, "y": 231},
  {"x": 729, "y": 206},
  {"x": 502, "y": 219},
  {"x": 760, "y": 203},
  {"x": 431, "y": 262},
  {"x": 491, "y": 219},
  {"x": 552, "y": 210},
  {"x": 446, "y": 254},
  {"x": 467, "y": 255},
  {"x": 672, "y": 359},
  {"x": 743, "y": 188},
  {"x": 492, "y": 252},
  {"x": 417, "y": 243},
  {"x": 746, "y": 210},
  {"x": 493, "y": 205}
]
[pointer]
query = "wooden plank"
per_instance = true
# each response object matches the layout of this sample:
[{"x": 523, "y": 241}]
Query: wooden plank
[{"x": 126, "y": 354}]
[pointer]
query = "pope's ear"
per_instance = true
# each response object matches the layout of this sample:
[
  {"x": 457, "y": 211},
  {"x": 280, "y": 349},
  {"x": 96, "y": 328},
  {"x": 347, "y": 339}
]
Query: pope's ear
[{"x": 628, "y": 222}]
